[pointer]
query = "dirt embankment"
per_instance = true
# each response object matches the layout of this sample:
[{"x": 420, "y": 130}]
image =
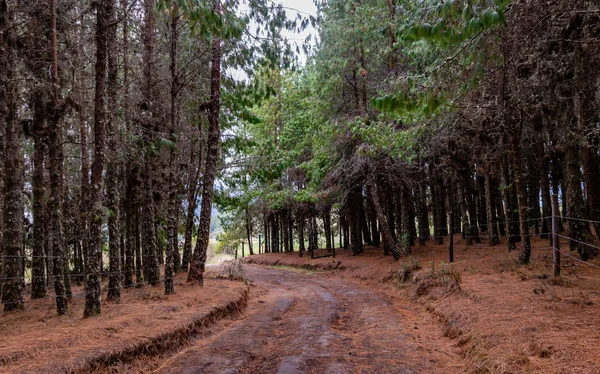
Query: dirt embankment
[
  {"x": 144, "y": 323},
  {"x": 501, "y": 317}
]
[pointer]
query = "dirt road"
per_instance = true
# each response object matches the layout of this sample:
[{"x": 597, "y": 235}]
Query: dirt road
[{"x": 299, "y": 322}]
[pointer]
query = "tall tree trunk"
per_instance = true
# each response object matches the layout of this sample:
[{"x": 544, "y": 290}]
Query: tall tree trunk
[
  {"x": 5, "y": 75},
  {"x": 115, "y": 281},
  {"x": 55, "y": 148},
  {"x": 199, "y": 259},
  {"x": 171, "y": 182},
  {"x": 94, "y": 255},
  {"x": 38, "y": 268},
  {"x": 150, "y": 248},
  {"x": 12, "y": 290},
  {"x": 129, "y": 203},
  {"x": 85, "y": 179}
]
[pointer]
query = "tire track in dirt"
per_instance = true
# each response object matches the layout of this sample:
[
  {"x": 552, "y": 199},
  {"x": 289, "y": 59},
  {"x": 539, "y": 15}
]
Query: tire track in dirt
[{"x": 304, "y": 323}]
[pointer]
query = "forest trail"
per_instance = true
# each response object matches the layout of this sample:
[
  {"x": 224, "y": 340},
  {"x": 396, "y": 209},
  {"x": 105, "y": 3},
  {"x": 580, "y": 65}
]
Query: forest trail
[{"x": 302, "y": 322}]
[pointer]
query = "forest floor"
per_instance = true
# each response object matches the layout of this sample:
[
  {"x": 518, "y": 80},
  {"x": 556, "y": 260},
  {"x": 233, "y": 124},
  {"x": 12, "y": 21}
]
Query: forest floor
[
  {"x": 144, "y": 322},
  {"x": 497, "y": 316},
  {"x": 348, "y": 314}
]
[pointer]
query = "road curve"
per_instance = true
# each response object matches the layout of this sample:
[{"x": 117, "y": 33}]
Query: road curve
[{"x": 298, "y": 322}]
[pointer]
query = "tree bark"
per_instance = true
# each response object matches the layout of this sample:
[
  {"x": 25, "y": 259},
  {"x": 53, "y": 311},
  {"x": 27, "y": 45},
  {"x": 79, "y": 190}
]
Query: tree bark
[
  {"x": 577, "y": 230},
  {"x": 115, "y": 276},
  {"x": 521, "y": 200},
  {"x": 12, "y": 293},
  {"x": 93, "y": 290},
  {"x": 327, "y": 228},
  {"x": 55, "y": 203},
  {"x": 150, "y": 270},
  {"x": 130, "y": 236},
  {"x": 423, "y": 214},
  {"x": 386, "y": 230},
  {"x": 38, "y": 270},
  {"x": 492, "y": 227},
  {"x": 196, "y": 272}
]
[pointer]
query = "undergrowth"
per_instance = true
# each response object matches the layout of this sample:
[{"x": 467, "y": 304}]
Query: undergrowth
[
  {"x": 445, "y": 276},
  {"x": 233, "y": 270}
]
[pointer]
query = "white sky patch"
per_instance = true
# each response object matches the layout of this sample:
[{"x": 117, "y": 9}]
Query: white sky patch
[{"x": 305, "y": 8}]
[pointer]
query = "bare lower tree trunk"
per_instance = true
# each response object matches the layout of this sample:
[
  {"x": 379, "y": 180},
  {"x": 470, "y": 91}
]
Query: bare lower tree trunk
[
  {"x": 249, "y": 232},
  {"x": 422, "y": 212},
  {"x": 130, "y": 236},
  {"x": 386, "y": 230},
  {"x": 285, "y": 223},
  {"x": 192, "y": 196},
  {"x": 175, "y": 234},
  {"x": 491, "y": 216},
  {"x": 196, "y": 272},
  {"x": 577, "y": 230},
  {"x": 150, "y": 270},
  {"x": 85, "y": 187},
  {"x": 521, "y": 200},
  {"x": 189, "y": 228},
  {"x": 171, "y": 238},
  {"x": 301, "y": 247},
  {"x": 38, "y": 268},
  {"x": 327, "y": 227},
  {"x": 544, "y": 167},
  {"x": 139, "y": 274},
  {"x": 353, "y": 221}
]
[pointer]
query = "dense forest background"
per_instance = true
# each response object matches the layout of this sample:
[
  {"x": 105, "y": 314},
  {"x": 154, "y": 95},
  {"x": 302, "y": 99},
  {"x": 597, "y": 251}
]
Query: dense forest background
[{"x": 410, "y": 121}]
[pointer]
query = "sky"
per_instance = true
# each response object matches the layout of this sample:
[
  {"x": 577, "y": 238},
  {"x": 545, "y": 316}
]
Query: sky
[
  {"x": 305, "y": 7},
  {"x": 294, "y": 7}
]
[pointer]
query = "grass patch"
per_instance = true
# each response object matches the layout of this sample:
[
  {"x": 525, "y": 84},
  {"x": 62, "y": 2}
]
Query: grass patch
[
  {"x": 445, "y": 276},
  {"x": 405, "y": 273}
]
